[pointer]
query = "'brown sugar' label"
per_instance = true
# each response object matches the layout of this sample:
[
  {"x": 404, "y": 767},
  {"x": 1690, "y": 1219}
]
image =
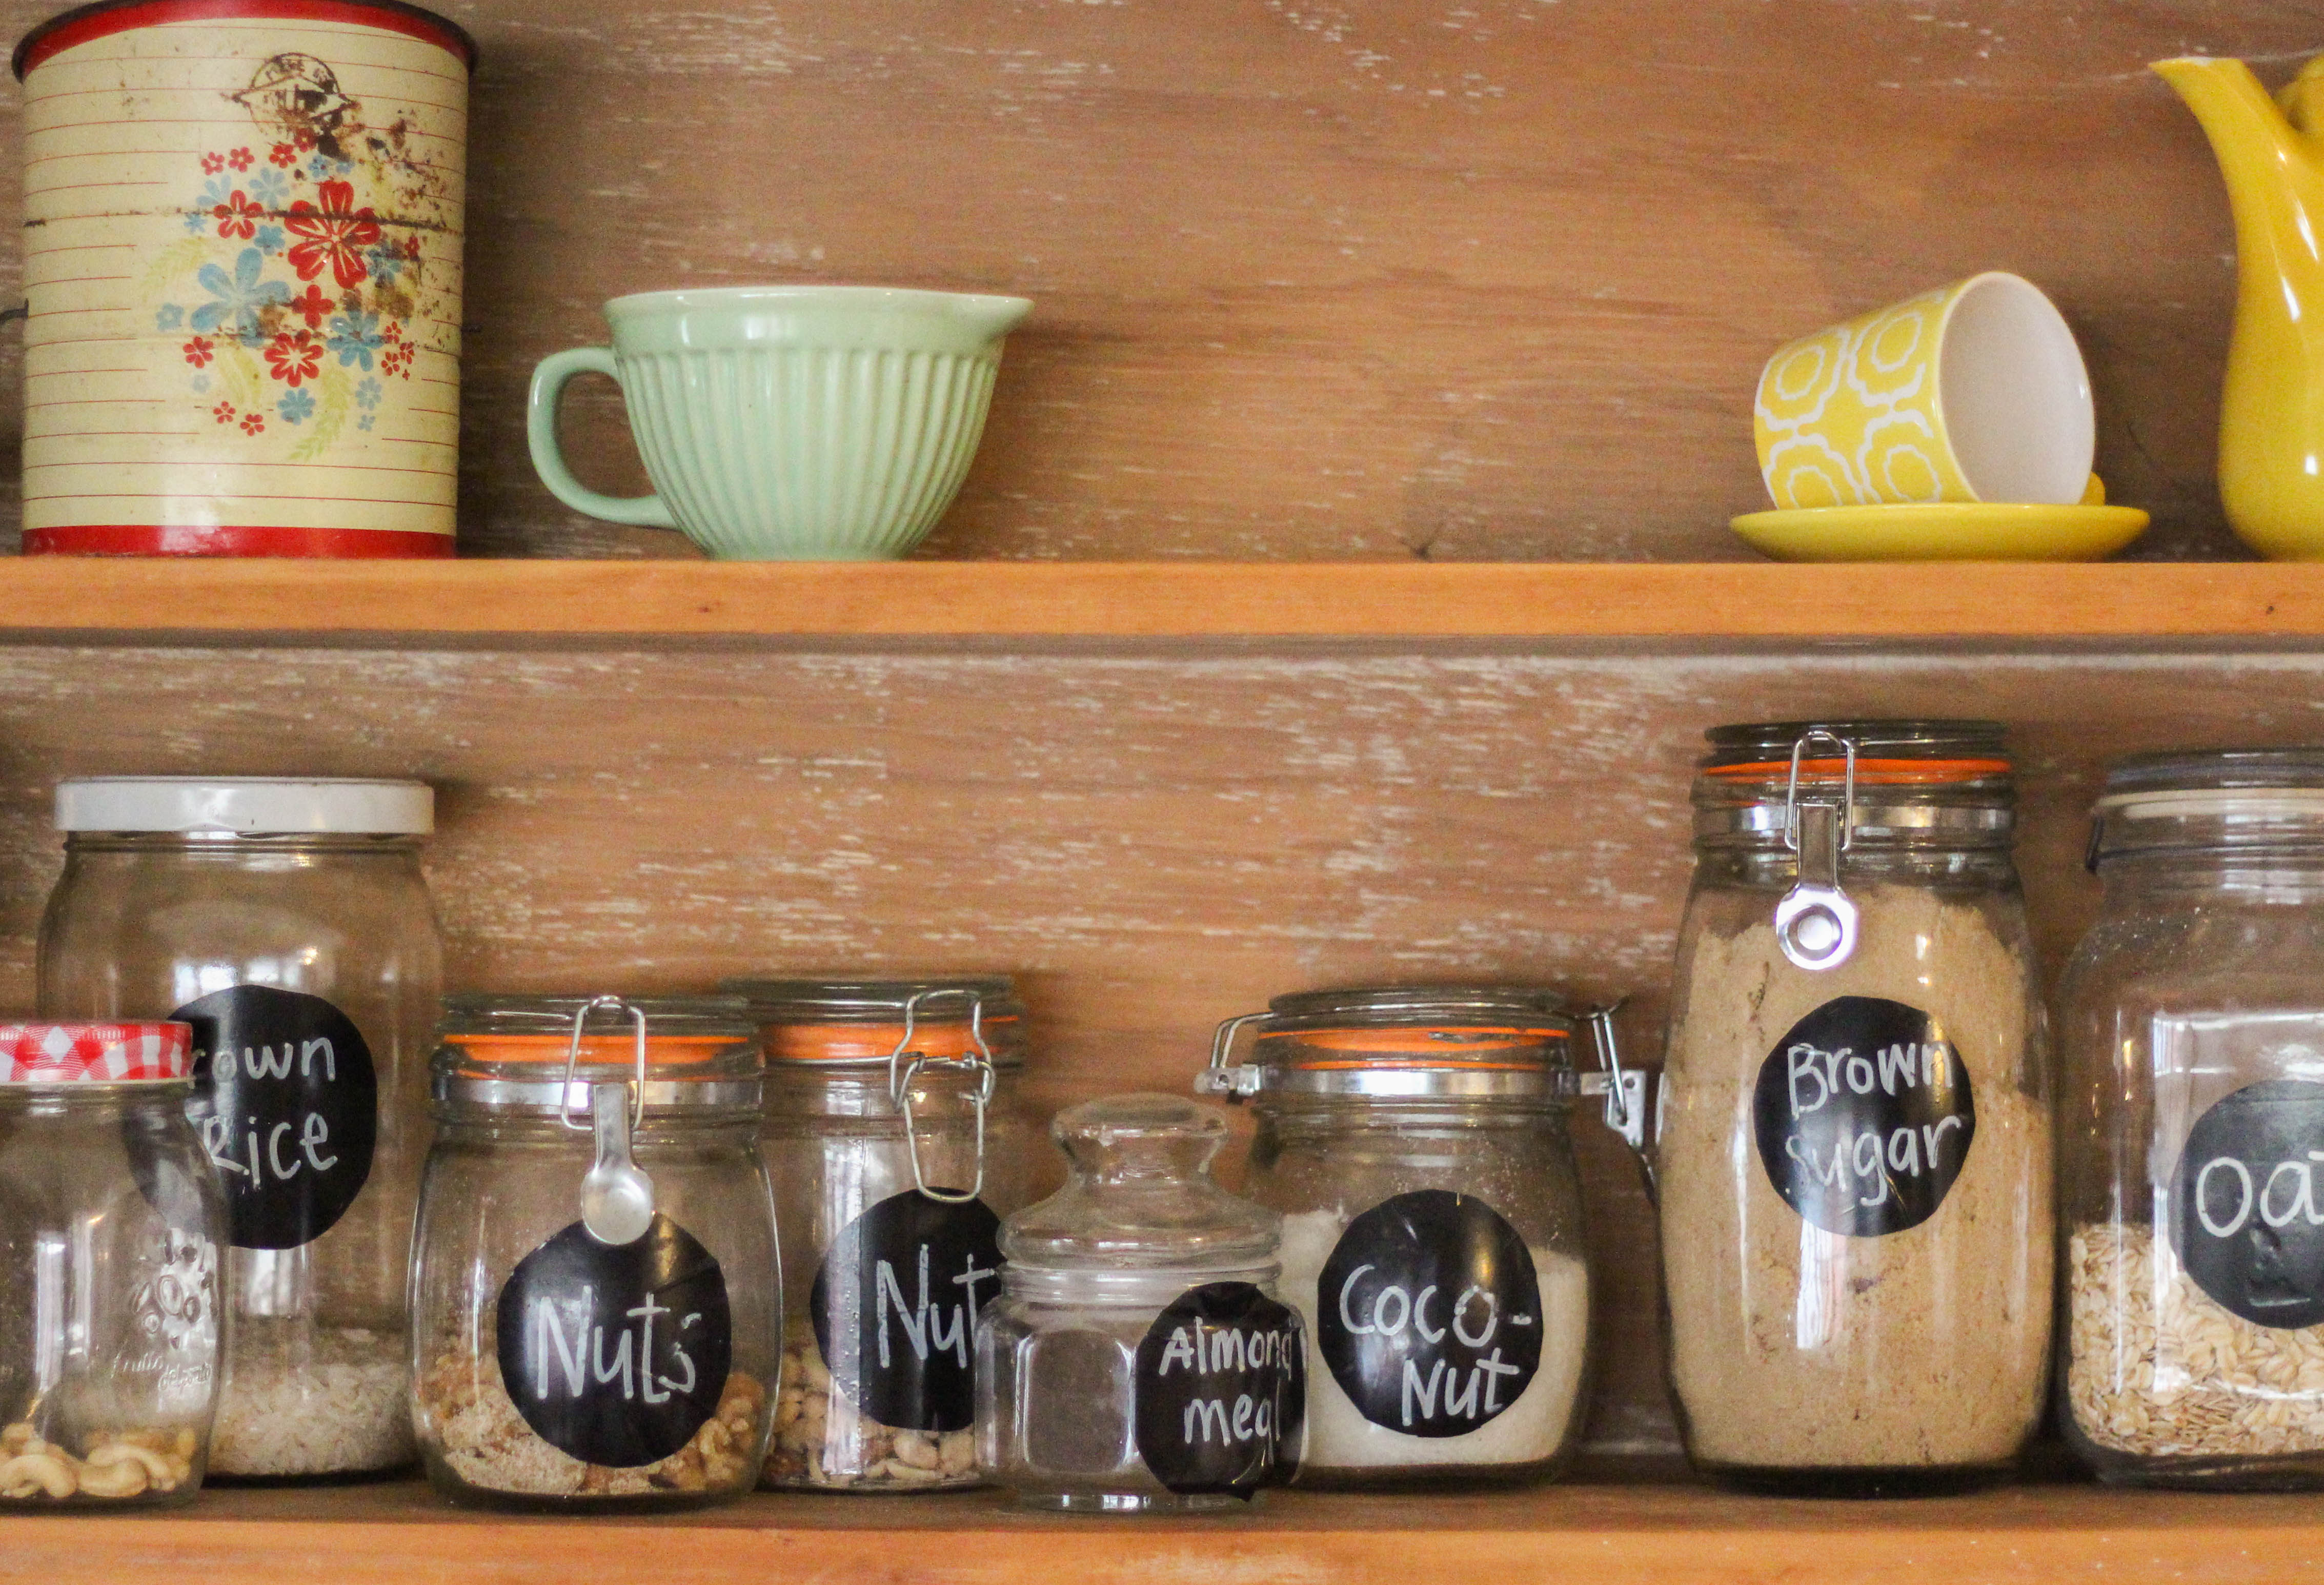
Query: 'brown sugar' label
[{"x": 1864, "y": 1116}]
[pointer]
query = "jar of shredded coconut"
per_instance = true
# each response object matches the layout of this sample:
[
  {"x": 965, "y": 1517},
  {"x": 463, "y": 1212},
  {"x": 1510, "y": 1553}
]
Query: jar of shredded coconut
[
  {"x": 1855, "y": 1149},
  {"x": 2192, "y": 1227},
  {"x": 1415, "y": 1139}
]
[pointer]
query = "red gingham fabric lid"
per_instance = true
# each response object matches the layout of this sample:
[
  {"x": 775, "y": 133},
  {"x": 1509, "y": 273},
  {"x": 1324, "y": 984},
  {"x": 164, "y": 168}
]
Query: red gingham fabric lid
[{"x": 93, "y": 1054}]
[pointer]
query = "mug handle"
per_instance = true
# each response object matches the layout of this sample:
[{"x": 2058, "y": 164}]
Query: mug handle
[{"x": 549, "y": 383}]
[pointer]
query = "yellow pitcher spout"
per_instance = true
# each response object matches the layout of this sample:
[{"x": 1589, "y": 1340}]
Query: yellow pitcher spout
[{"x": 2271, "y": 417}]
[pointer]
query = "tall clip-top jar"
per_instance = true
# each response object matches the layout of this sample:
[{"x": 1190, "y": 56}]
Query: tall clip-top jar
[
  {"x": 2192, "y": 1128},
  {"x": 1854, "y": 1145},
  {"x": 897, "y": 1143},
  {"x": 594, "y": 1287},
  {"x": 1137, "y": 1359},
  {"x": 288, "y": 922},
  {"x": 1415, "y": 1139},
  {"x": 111, "y": 1230}
]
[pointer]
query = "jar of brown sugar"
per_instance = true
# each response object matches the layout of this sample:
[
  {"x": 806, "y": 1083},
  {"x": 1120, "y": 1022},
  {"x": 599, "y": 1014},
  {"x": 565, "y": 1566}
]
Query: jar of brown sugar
[{"x": 1855, "y": 1152}]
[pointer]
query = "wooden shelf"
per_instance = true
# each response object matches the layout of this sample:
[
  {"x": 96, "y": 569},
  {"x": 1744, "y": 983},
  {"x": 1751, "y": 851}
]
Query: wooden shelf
[
  {"x": 1166, "y": 600},
  {"x": 1671, "y": 1534}
]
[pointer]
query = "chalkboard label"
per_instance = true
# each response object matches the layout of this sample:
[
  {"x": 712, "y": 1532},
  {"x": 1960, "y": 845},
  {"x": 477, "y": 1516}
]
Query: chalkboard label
[
  {"x": 1222, "y": 1385},
  {"x": 1864, "y": 1116},
  {"x": 287, "y": 1103},
  {"x": 1429, "y": 1313},
  {"x": 2246, "y": 1214},
  {"x": 894, "y": 1307},
  {"x": 616, "y": 1354}
]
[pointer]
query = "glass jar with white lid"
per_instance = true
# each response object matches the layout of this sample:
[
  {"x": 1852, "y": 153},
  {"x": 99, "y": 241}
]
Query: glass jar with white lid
[
  {"x": 2192, "y": 1127},
  {"x": 287, "y": 921}
]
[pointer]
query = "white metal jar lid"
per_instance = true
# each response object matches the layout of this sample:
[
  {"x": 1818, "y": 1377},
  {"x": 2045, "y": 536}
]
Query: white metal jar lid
[{"x": 324, "y": 805}]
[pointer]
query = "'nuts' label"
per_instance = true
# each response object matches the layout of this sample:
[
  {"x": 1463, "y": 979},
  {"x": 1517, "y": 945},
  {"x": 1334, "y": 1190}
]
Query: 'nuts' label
[
  {"x": 894, "y": 1306},
  {"x": 1429, "y": 1313},
  {"x": 2246, "y": 1215},
  {"x": 1220, "y": 1391},
  {"x": 616, "y": 1354},
  {"x": 1864, "y": 1116},
  {"x": 286, "y": 1100}
]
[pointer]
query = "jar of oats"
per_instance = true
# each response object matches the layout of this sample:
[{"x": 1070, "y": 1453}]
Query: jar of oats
[
  {"x": 1855, "y": 1149},
  {"x": 897, "y": 1144},
  {"x": 2192, "y": 1090}
]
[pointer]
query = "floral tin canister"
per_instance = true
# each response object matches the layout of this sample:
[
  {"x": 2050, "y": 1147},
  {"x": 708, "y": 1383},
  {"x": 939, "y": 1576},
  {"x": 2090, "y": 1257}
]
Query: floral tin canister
[{"x": 243, "y": 225}]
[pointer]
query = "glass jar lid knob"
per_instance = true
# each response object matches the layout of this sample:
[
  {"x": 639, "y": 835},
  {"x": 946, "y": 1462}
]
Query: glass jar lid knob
[
  {"x": 1816, "y": 921},
  {"x": 617, "y": 1198},
  {"x": 904, "y": 1066}
]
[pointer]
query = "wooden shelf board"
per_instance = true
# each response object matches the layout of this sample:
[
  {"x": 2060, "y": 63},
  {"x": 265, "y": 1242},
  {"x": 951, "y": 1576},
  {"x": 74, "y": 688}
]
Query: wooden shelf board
[
  {"x": 1588, "y": 1534},
  {"x": 210, "y": 600}
]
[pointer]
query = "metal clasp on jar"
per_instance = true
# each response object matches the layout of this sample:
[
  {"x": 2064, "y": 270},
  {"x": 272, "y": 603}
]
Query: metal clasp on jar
[
  {"x": 902, "y": 1073},
  {"x": 1816, "y": 921},
  {"x": 1630, "y": 1092},
  {"x": 1228, "y": 1079},
  {"x": 617, "y": 1198}
]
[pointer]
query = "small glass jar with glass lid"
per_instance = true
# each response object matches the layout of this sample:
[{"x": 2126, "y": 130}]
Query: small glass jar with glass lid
[
  {"x": 286, "y": 920},
  {"x": 1854, "y": 1148},
  {"x": 897, "y": 1142},
  {"x": 112, "y": 1233},
  {"x": 595, "y": 1309},
  {"x": 1415, "y": 1139},
  {"x": 1137, "y": 1359},
  {"x": 2192, "y": 1127}
]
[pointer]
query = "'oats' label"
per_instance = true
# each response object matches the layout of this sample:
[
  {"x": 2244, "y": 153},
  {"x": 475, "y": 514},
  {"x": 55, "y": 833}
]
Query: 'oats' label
[
  {"x": 1428, "y": 1313},
  {"x": 2245, "y": 1216},
  {"x": 894, "y": 1306},
  {"x": 616, "y": 1354},
  {"x": 1864, "y": 1116},
  {"x": 287, "y": 1103},
  {"x": 1222, "y": 1391}
]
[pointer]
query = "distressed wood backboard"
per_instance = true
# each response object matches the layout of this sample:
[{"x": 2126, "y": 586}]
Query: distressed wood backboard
[{"x": 1318, "y": 278}]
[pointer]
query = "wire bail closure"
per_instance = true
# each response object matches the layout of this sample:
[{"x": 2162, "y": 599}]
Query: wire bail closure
[
  {"x": 617, "y": 1198},
  {"x": 1816, "y": 921},
  {"x": 1232, "y": 1082},
  {"x": 901, "y": 1075}
]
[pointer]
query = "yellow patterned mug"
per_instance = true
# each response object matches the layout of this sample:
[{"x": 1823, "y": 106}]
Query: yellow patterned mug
[{"x": 1974, "y": 392}]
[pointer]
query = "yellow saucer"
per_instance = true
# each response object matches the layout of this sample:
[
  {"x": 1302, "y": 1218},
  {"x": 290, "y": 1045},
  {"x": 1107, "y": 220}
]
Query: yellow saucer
[{"x": 1943, "y": 532}]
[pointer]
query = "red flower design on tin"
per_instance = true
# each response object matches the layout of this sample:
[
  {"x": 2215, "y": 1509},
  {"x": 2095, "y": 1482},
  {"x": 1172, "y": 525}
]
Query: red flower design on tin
[
  {"x": 252, "y": 423},
  {"x": 200, "y": 350},
  {"x": 313, "y": 306},
  {"x": 213, "y": 163},
  {"x": 238, "y": 217},
  {"x": 294, "y": 357},
  {"x": 306, "y": 140},
  {"x": 335, "y": 235},
  {"x": 282, "y": 154},
  {"x": 223, "y": 412},
  {"x": 239, "y": 159}
]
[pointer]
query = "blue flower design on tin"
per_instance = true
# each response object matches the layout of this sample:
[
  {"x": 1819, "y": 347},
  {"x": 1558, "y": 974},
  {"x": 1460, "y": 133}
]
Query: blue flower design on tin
[
  {"x": 269, "y": 187},
  {"x": 353, "y": 336},
  {"x": 296, "y": 408},
  {"x": 366, "y": 421},
  {"x": 269, "y": 239},
  {"x": 367, "y": 394},
  {"x": 236, "y": 299},
  {"x": 170, "y": 316}
]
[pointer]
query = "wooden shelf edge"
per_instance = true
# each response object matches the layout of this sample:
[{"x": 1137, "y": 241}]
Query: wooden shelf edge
[
  {"x": 1595, "y": 1534},
  {"x": 62, "y": 597}
]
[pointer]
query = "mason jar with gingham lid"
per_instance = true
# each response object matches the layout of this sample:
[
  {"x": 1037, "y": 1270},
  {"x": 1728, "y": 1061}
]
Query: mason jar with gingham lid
[{"x": 112, "y": 1232}]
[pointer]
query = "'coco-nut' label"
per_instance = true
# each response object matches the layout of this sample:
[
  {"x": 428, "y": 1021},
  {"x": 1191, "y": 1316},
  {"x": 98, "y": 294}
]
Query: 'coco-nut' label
[
  {"x": 1221, "y": 1392},
  {"x": 2245, "y": 1212},
  {"x": 1428, "y": 1313},
  {"x": 616, "y": 1354},
  {"x": 1864, "y": 1116},
  {"x": 287, "y": 1103},
  {"x": 894, "y": 1307}
]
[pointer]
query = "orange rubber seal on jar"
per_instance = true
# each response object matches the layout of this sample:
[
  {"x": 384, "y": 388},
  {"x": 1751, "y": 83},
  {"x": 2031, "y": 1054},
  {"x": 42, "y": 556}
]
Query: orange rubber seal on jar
[
  {"x": 1876, "y": 772},
  {"x": 873, "y": 1042},
  {"x": 1418, "y": 1047},
  {"x": 596, "y": 1050}
]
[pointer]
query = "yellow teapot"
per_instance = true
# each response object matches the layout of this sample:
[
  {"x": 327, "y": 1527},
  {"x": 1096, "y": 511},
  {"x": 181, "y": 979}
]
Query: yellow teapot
[{"x": 2271, "y": 420}]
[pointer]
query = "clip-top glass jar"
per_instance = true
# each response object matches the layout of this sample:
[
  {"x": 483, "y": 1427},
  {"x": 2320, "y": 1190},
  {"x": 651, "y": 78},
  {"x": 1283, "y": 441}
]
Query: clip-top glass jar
[
  {"x": 1137, "y": 1359},
  {"x": 1855, "y": 1146},
  {"x": 111, "y": 1230},
  {"x": 1415, "y": 1139},
  {"x": 897, "y": 1144},
  {"x": 2191, "y": 1345},
  {"x": 287, "y": 921},
  {"x": 595, "y": 1281}
]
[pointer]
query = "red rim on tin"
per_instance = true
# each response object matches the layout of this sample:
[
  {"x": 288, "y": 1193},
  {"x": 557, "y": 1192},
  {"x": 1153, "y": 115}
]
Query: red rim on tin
[
  {"x": 93, "y": 1053},
  {"x": 232, "y": 539},
  {"x": 84, "y": 22}
]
